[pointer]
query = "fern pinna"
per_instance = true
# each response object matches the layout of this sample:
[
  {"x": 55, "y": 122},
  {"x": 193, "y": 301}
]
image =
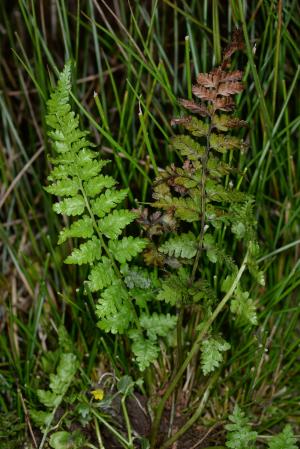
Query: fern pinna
[
  {"x": 200, "y": 205},
  {"x": 241, "y": 436},
  {"x": 92, "y": 199}
]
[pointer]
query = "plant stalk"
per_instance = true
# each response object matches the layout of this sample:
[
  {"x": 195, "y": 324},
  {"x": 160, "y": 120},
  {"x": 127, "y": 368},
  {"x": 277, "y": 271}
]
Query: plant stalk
[
  {"x": 195, "y": 416},
  {"x": 203, "y": 202},
  {"x": 194, "y": 350}
]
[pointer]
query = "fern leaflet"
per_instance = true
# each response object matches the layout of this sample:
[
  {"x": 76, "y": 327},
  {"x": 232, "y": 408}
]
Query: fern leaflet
[{"x": 240, "y": 435}]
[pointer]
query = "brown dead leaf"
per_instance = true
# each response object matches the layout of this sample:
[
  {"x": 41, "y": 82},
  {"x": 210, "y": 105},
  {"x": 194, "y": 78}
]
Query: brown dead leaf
[{"x": 194, "y": 107}]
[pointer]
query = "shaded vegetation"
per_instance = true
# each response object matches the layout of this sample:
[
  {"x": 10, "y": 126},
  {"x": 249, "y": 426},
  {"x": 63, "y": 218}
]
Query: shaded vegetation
[{"x": 130, "y": 65}]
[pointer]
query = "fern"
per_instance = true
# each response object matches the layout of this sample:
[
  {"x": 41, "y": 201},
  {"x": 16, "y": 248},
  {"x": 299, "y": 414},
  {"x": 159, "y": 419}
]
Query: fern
[
  {"x": 243, "y": 307},
  {"x": 87, "y": 252},
  {"x": 190, "y": 193},
  {"x": 285, "y": 440},
  {"x": 113, "y": 224},
  {"x": 114, "y": 309},
  {"x": 126, "y": 249},
  {"x": 205, "y": 208},
  {"x": 59, "y": 385},
  {"x": 145, "y": 350},
  {"x": 93, "y": 199},
  {"x": 175, "y": 288},
  {"x": 157, "y": 325},
  {"x": 211, "y": 356},
  {"x": 183, "y": 245},
  {"x": 240, "y": 435}
]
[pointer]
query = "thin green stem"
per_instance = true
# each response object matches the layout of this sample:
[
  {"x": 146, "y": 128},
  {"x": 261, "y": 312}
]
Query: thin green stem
[
  {"x": 179, "y": 337},
  {"x": 276, "y": 56},
  {"x": 103, "y": 244},
  {"x": 195, "y": 416},
  {"x": 98, "y": 434},
  {"x": 107, "y": 251},
  {"x": 188, "y": 67},
  {"x": 216, "y": 32},
  {"x": 49, "y": 422},
  {"x": 91, "y": 446},
  {"x": 147, "y": 142},
  {"x": 127, "y": 422},
  {"x": 279, "y": 250},
  {"x": 120, "y": 437}
]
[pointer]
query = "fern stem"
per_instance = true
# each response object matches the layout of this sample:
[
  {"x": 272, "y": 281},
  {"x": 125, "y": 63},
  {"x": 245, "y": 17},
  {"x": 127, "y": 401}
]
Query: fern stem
[
  {"x": 179, "y": 337},
  {"x": 108, "y": 253},
  {"x": 203, "y": 202},
  {"x": 103, "y": 244},
  {"x": 193, "y": 351}
]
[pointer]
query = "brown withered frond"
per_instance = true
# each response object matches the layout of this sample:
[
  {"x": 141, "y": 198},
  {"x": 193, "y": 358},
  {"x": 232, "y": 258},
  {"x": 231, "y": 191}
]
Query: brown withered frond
[
  {"x": 224, "y": 104},
  {"x": 180, "y": 121},
  {"x": 211, "y": 88},
  {"x": 196, "y": 108},
  {"x": 236, "y": 44}
]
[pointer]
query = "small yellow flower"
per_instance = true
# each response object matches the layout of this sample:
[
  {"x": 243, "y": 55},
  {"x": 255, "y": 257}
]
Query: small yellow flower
[{"x": 98, "y": 394}]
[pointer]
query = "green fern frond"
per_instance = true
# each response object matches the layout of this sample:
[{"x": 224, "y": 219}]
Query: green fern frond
[
  {"x": 202, "y": 290},
  {"x": 64, "y": 187},
  {"x": 87, "y": 252},
  {"x": 136, "y": 277},
  {"x": 224, "y": 123},
  {"x": 188, "y": 147},
  {"x": 221, "y": 143},
  {"x": 285, "y": 440},
  {"x": 186, "y": 209},
  {"x": 183, "y": 245},
  {"x": 146, "y": 351},
  {"x": 107, "y": 201},
  {"x": 113, "y": 224},
  {"x": 175, "y": 288},
  {"x": 126, "y": 249},
  {"x": 114, "y": 310},
  {"x": 95, "y": 185},
  {"x": 170, "y": 294},
  {"x": 70, "y": 206},
  {"x": 93, "y": 199},
  {"x": 195, "y": 126},
  {"x": 157, "y": 325},
  {"x": 243, "y": 221},
  {"x": 102, "y": 275},
  {"x": 217, "y": 192},
  {"x": 59, "y": 382},
  {"x": 243, "y": 307},
  {"x": 81, "y": 228},
  {"x": 240, "y": 435},
  {"x": 211, "y": 354}
]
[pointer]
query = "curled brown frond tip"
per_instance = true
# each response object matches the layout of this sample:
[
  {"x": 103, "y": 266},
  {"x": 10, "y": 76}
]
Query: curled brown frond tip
[
  {"x": 236, "y": 44},
  {"x": 215, "y": 89}
]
